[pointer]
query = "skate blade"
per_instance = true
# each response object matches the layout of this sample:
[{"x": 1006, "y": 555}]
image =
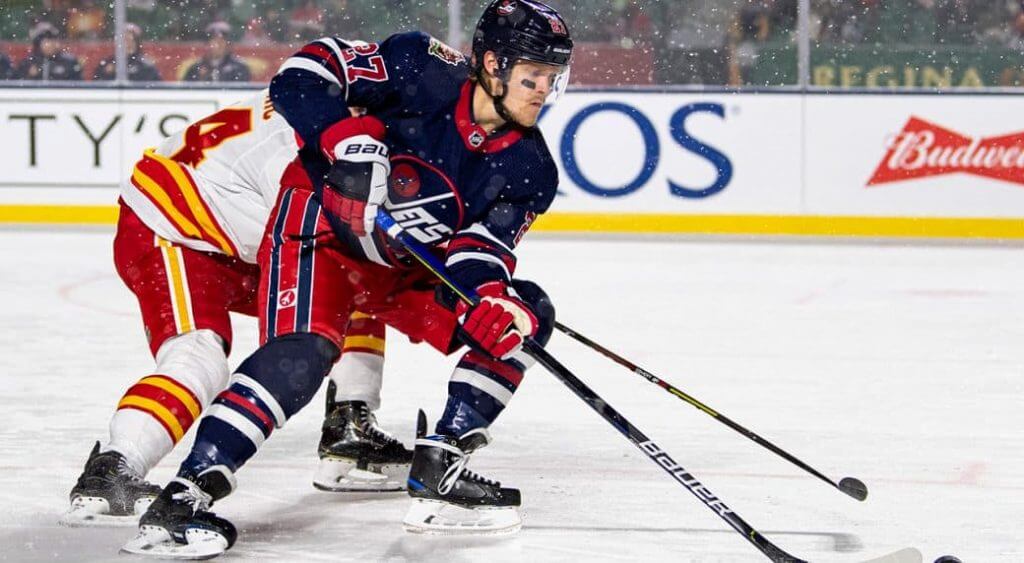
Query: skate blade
[
  {"x": 156, "y": 543},
  {"x": 94, "y": 512},
  {"x": 342, "y": 476},
  {"x": 434, "y": 517}
]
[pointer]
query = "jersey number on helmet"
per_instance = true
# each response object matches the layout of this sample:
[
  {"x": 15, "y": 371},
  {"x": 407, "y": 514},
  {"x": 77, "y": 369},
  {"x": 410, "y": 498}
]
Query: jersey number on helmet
[{"x": 210, "y": 132}]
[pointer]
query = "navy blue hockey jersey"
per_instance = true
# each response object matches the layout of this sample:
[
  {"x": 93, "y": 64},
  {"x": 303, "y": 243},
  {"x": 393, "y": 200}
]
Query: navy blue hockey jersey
[{"x": 450, "y": 186}]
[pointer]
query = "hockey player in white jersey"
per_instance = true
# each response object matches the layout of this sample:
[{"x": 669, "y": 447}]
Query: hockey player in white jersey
[{"x": 192, "y": 218}]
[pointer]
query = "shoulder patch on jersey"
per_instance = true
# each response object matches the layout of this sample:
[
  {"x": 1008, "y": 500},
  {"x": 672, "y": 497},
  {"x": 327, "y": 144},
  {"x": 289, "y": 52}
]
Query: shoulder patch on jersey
[
  {"x": 506, "y": 8},
  {"x": 445, "y": 53}
]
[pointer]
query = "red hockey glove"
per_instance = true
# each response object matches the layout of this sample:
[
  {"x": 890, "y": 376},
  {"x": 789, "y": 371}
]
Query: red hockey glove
[
  {"x": 499, "y": 323},
  {"x": 358, "y": 179}
]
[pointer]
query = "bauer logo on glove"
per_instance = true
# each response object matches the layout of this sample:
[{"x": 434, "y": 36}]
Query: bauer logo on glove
[
  {"x": 357, "y": 183},
  {"x": 376, "y": 148}
]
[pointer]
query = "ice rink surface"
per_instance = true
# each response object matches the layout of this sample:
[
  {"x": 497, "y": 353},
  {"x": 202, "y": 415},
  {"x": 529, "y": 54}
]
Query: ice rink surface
[{"x": 900, "y": 365}]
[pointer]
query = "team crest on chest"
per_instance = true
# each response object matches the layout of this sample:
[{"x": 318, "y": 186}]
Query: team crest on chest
[
  {"x": 423, "y": 199},
  {"x": 445, "y": 53}
]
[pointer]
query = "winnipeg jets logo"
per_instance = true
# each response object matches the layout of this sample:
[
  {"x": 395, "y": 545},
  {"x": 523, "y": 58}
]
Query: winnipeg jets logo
[
  {"x": 405, "y": 181},
  {"x": 476, "y": 139},
  {"x": 506, "y": 8},
  {"x": 419, "y": 223}
]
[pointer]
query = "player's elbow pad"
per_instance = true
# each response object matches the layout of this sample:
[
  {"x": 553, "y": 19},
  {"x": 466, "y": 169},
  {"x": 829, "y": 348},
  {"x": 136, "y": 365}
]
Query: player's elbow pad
[{"x": 308, "y": 104}]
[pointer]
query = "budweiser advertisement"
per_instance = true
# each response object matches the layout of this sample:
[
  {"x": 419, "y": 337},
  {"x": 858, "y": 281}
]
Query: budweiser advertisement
[
  {"x": 914, "y": 156},
  {"x": 924, "y": 149}
]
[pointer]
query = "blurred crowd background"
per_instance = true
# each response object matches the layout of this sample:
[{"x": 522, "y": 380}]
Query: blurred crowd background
[{"x": 741, "y": 43}]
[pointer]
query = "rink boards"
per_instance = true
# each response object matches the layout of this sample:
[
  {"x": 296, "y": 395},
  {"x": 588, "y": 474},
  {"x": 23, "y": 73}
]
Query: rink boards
[{"x": 772, "y": 163}]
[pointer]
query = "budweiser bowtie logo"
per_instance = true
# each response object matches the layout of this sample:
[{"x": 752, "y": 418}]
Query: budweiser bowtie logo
[{"x": 924, "y": 149}]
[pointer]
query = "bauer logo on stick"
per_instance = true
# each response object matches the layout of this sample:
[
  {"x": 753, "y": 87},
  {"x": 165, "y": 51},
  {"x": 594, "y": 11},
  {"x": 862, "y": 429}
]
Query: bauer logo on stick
[{"x": 681, "y": 475}]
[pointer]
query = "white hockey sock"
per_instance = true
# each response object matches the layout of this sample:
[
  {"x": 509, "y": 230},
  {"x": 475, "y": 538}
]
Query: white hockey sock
[
  {"x": 156, "y": 412},
  {"x": 358, "y": 376}
]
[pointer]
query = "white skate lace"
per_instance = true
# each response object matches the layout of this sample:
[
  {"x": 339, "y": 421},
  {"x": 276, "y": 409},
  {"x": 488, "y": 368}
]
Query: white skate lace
[
  {"x": 457, "y": 470},
  {"x": 193, "y": 495}
]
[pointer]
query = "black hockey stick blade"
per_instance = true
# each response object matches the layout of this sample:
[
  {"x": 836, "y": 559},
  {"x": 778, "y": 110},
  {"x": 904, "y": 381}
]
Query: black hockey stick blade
[
  {"x": 906, "y": 555},
  {"x": 854, "y": 487}
]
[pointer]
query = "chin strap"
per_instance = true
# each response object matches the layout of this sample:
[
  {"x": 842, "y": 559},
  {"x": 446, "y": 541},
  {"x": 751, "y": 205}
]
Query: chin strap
[{"x": 498, "y": 100}]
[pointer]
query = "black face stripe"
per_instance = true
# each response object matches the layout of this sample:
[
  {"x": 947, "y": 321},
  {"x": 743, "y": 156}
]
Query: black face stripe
[{"x": 529, "y": 84}]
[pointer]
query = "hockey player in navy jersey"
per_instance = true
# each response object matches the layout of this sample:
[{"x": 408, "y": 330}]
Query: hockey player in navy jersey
[{"x": 450, "y": 149}]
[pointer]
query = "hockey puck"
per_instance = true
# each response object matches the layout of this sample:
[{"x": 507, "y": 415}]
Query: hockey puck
[
  {"x": 854, "y": 487},
  {"x": 948, "y": 559}
]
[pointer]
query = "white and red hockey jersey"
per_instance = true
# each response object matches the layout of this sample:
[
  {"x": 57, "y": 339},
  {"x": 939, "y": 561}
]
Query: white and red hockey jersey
[{"x": 211, "y": 186}]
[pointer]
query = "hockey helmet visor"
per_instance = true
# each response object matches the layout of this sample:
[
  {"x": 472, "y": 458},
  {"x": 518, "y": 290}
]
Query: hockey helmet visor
[{"x": 555, "y": 78}]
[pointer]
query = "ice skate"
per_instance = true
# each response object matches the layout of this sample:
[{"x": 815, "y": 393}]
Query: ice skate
[
  {"x": 108, "y": 493},
  {"x": 356, "y": 455},
  {"x": 178, "y": 524},
  {"x": 449, "y": 499}
]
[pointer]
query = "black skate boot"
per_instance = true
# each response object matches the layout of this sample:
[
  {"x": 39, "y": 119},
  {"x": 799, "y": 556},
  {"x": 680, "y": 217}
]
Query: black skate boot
[
  {"x": 356, "y": 454},
  {"x": 450, "y": 499},
  {"x": 178, "y": 524},
  {"x": 108, "y": 493}
]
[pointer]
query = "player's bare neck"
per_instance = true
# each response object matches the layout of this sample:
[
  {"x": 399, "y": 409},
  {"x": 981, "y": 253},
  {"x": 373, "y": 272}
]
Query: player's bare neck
[{"x": 484, "y": 113}]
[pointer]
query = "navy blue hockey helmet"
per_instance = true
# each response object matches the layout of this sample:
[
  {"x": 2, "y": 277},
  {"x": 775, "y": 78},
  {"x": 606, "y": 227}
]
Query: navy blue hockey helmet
[{"x": 523, "y": 30}]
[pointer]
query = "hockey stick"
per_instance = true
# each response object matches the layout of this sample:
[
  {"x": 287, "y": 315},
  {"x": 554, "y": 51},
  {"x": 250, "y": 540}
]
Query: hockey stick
[
  {"x": 849, "y": 485},
  {"x": 594, "y": 401}
]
